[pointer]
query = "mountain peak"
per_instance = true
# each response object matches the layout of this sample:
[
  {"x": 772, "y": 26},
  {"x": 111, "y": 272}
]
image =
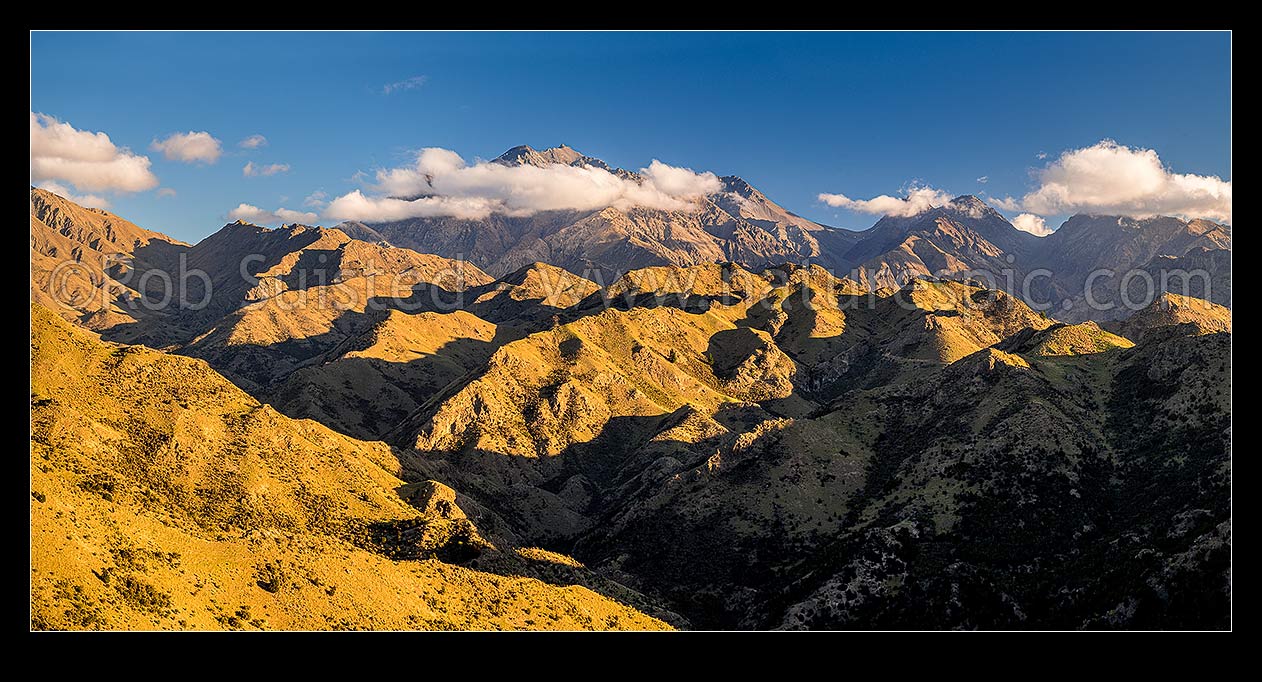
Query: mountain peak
[
  {"x": 970, "y": 204},
  {"x": 565, "y": 155},
  {"x": 517, "y": 154},
  {"x": 738, "y": 185}
]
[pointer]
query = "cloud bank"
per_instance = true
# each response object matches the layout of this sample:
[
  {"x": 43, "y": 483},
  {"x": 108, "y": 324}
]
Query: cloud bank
[
  {"x": 441, "y": 183},
  {"x": 1109, "y": 178},
  {"x": 253, "y": 214},
  {"x": 189, "y": 147},
  {"x": 918, "y": 200},
  {"x": 251, "y": 169},
  {"x": 1027, "y": 222},
  {"x": 87, "y": 160}
]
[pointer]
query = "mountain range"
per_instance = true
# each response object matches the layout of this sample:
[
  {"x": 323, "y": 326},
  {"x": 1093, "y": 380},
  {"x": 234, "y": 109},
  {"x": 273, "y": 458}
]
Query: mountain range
[
  {"x": 740, "y": 224},
  {"x": 730, "y": 418}
]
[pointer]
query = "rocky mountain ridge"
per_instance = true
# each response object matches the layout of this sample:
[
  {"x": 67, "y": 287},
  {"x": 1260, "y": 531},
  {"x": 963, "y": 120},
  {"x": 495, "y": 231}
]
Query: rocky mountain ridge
[
  {"x": 742, "y": 225},
  {"x": 709, "y": 444}
]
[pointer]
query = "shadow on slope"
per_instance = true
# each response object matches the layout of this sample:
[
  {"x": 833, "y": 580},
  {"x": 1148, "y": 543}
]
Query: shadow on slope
[{"x": 333, "y": 378}]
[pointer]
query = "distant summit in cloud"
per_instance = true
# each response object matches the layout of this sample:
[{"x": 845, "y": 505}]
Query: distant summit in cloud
[
  {"x": 1104, "y": 178},
  {"x": 253, "y": 214},
  {"x": 918, "y": 200},
  {"x": 1110, "y": 178},
  {"x": 442, "y": 183}
]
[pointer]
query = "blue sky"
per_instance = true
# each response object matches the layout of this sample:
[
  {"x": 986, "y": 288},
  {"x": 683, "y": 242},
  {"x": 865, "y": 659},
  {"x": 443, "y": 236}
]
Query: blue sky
[{"x": 796, "y": 114}]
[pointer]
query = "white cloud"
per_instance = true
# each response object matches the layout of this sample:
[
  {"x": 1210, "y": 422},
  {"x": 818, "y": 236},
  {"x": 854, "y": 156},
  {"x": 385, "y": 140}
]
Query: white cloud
[
  {"x": 251, "y": 170},
  {"x": 86, "y": 200},
  {"x": 1110, "y": 178},
  {"x": 1040, "y": 156},
  {"x": 681, "y": 182},
  {"x": 317, "y": 199},
  {"x": 253, "y": 142},
  {"x": 918, "y": 200},
  {"x": 983, "y": 179},
  {"x": 405, "y": 84},
  {"x": 412, "y": 180},
  {"x": 1006, "y": 203},
  {"x": 89, "y": 161},
  {"x": 441, "y": 183},
  {"x": 189, "y": 147},
  {"x": 356, "y": 206},
  {"x": 259, "y": 216},
  {"x": 1028, "y": 222},
  {"x": 166, "y": 192}
]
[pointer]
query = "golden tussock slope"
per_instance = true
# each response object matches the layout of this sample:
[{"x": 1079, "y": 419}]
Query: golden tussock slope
[
  {"x": 84, "y": 261},
  {"x": 1173, "y": 309},
  {"x": 372, "y": 382},
  {"x": 164, "y": 498}
]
